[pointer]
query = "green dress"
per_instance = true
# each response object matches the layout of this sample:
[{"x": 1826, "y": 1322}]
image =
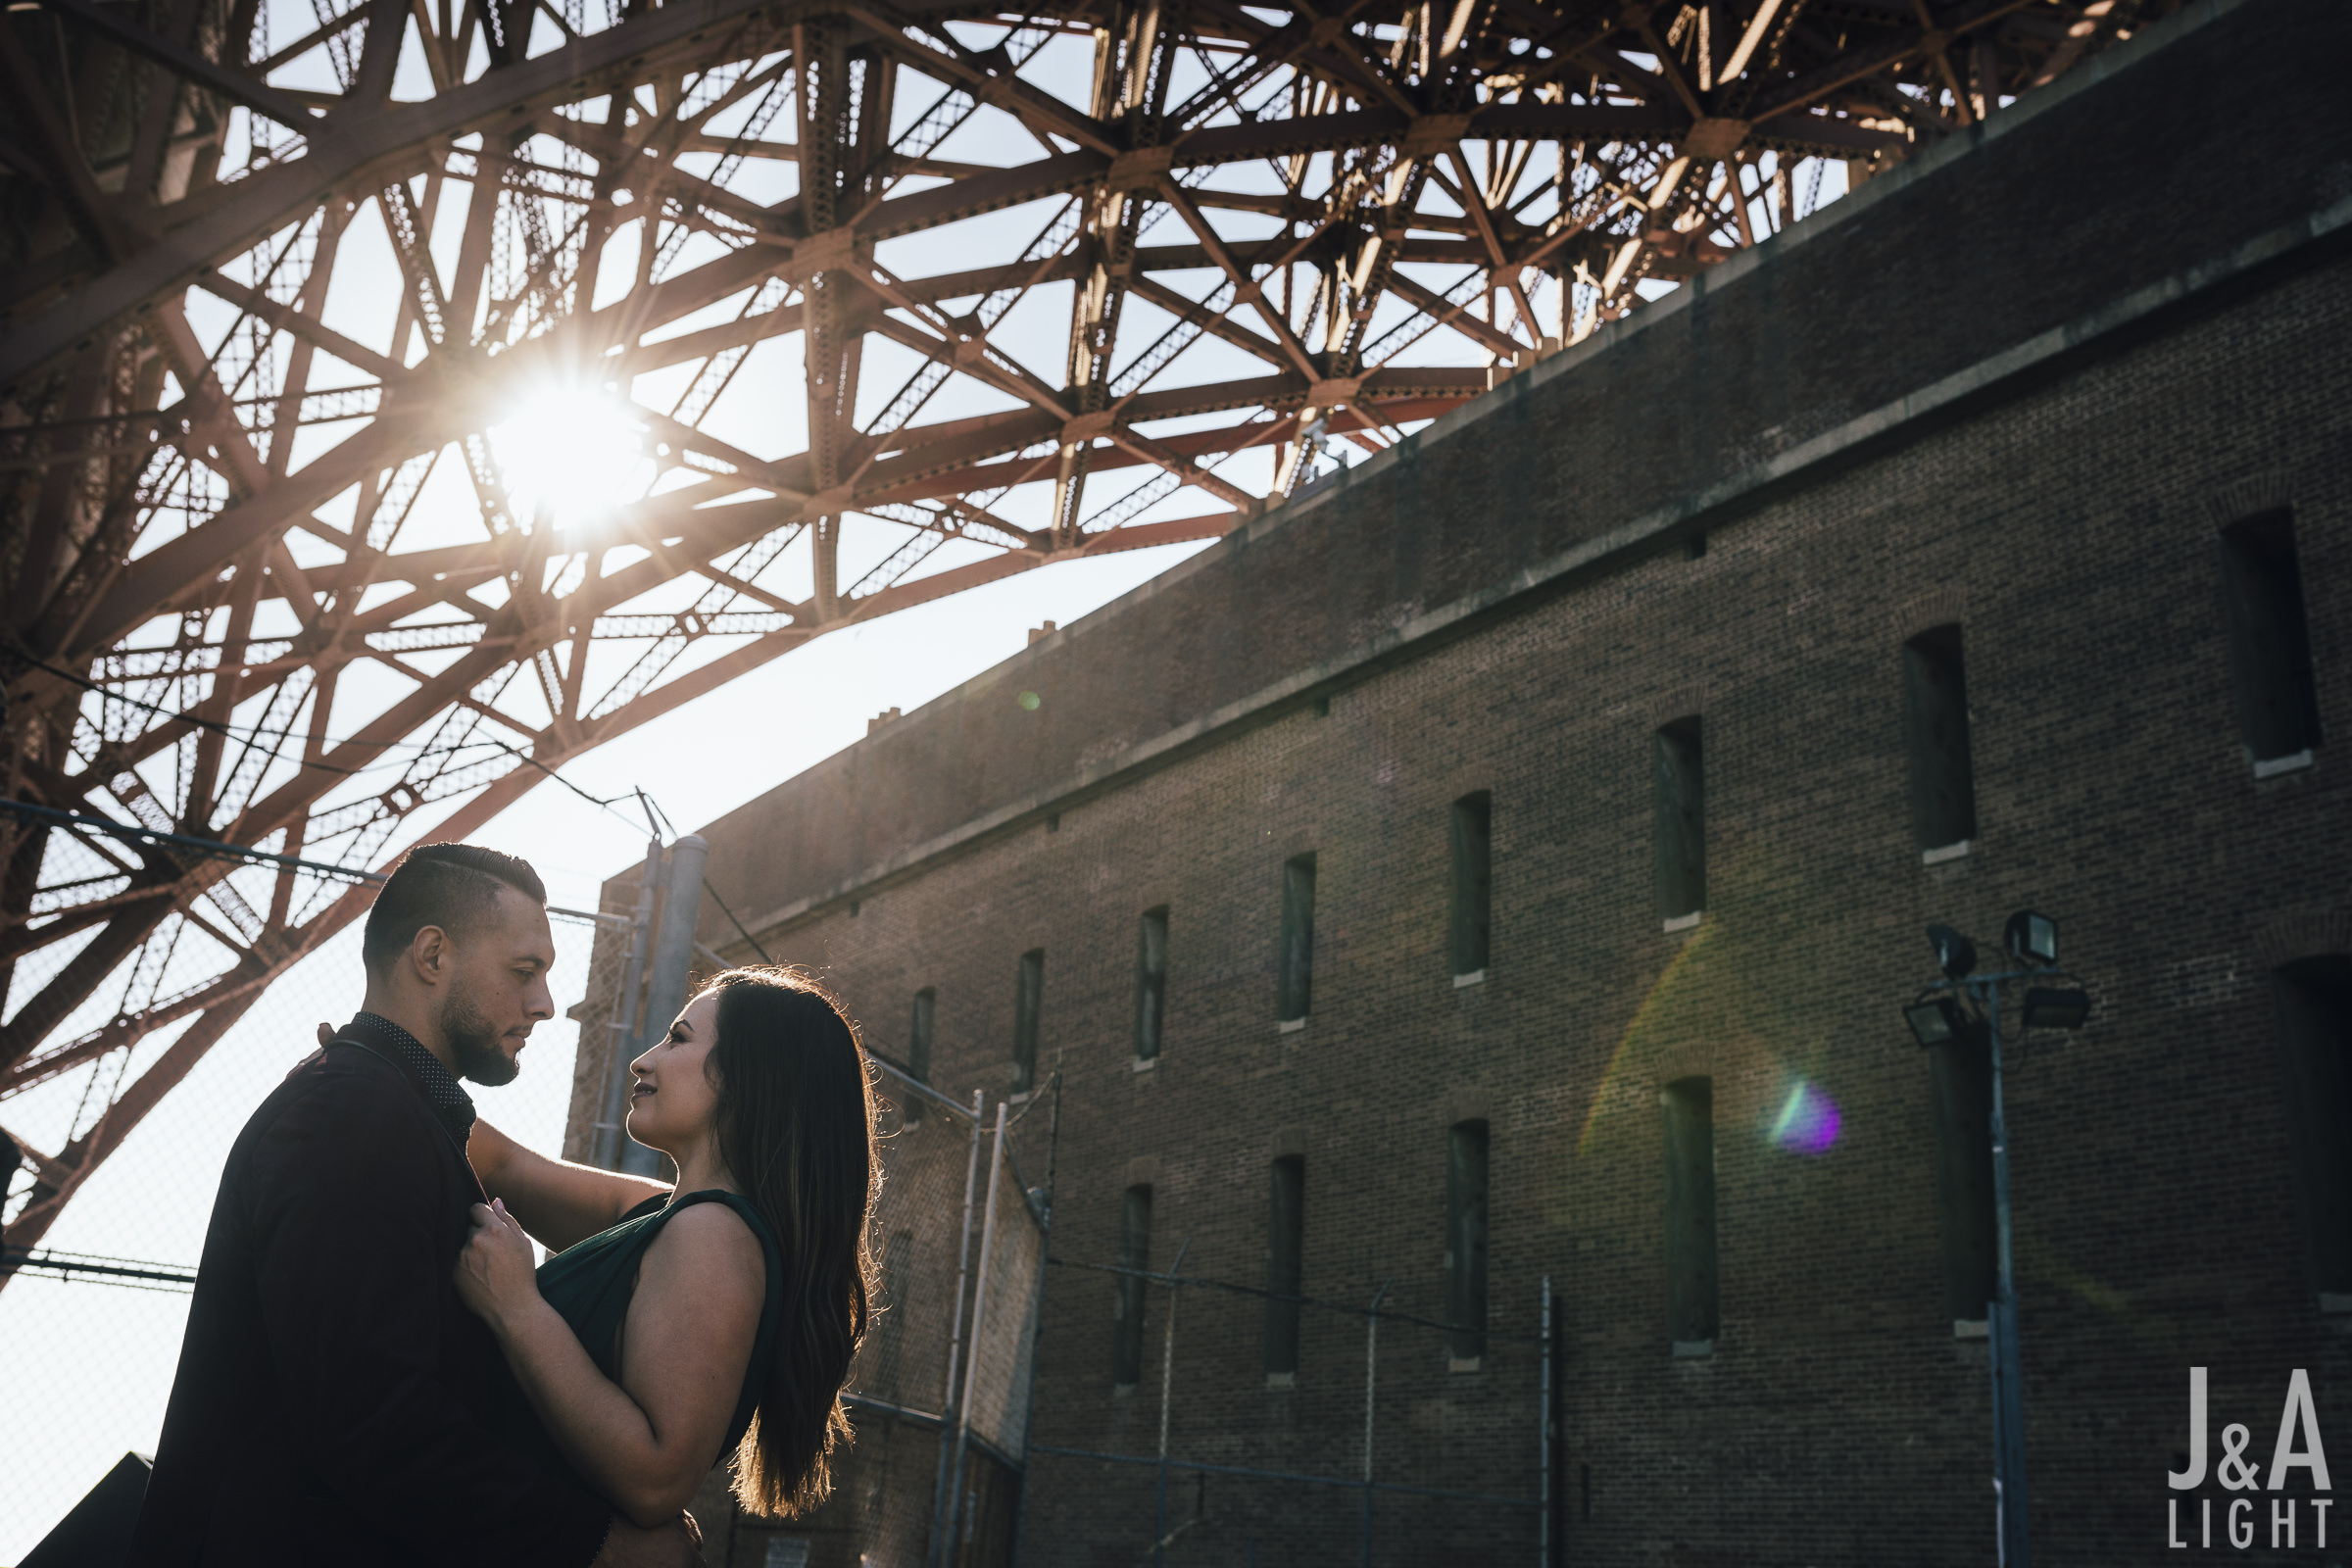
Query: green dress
[{"x": 590, "y": 1283}]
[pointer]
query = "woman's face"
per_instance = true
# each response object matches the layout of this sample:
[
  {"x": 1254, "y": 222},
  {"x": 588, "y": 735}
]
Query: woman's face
[{"x": 672, "y": 1097}]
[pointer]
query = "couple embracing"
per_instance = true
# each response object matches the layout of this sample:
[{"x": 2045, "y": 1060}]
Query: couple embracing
[{"x": 373, "y": 1373}]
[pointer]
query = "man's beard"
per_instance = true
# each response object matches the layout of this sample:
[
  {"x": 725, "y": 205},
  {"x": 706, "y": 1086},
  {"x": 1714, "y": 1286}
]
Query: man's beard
[{"x": 473, "y": 1041}]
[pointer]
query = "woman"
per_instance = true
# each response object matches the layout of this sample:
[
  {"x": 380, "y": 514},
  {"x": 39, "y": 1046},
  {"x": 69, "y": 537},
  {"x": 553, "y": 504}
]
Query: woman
[{"x": 675, "y": 1324}]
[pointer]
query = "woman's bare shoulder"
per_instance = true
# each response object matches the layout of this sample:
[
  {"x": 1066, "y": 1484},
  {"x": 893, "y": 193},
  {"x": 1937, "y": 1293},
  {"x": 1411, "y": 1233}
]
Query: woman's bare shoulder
[{"x": 709, "y": 1236}]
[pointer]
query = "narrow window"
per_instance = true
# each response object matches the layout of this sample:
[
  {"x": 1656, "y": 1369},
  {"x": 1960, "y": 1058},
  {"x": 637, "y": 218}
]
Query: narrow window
[
  {"x": 918, "y": 1048},
  {"x": 2269, "y": 642},
  {"x": 1960, "y": 1100},
  {"x": 1682, "y": 809},
  {"x": 2313, "y": 1003},
  {"x": 1286, "y": 1219},
  {"x": 1127, "y": 1312},
  {"x": 1473, "y": 880},
  {"x": 1298, "y": 936},
  {"x": 1028, "y": 995},
  {"x": 1691, "y": 1294},
  {"x": 1151, "y": 981},
  {"x": 1943, "y": 788},
  {"x": 1466, "y": 1240}
]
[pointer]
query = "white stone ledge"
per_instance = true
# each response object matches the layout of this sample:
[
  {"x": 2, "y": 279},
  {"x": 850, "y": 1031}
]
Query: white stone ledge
[{"x": 2272, "y": 767}]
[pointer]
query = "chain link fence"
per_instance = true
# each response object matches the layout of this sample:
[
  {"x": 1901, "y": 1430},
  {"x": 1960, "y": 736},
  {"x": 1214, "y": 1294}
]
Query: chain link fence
[
  {"x": 93, "y": 1308},
  {"x": 1397, "y": 1437},
  {"x": 939, "y": 1393}
]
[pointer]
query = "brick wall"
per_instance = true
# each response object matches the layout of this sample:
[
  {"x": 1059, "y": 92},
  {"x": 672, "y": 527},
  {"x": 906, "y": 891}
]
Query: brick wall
[{"x": 1306, "y": 688}]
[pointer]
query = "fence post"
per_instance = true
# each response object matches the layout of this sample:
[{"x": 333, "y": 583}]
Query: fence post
[
  {"x": 1544, "y": 1445},
  {"x": 971, "y": 1360},
  {"x": 666, "y": 970},
  {"x": 1371, "y": 1365},
  {"x": 1167, "y": 1382},
  {"x": 942, "y": 1545},
  {"x": 1045, "y": 1248},
  {"x": 622, "y": 1029}
]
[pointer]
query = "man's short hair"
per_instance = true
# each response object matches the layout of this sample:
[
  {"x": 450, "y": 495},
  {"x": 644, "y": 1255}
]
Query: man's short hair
[{"x": 452, "y": 886}]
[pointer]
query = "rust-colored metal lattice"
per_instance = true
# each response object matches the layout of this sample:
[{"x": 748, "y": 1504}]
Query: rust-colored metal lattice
[{"x": 268, "y": 578}]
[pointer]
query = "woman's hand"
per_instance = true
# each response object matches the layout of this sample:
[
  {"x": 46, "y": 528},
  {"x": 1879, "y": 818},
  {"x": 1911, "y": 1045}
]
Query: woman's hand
[{"x": 495, "y": 1276}]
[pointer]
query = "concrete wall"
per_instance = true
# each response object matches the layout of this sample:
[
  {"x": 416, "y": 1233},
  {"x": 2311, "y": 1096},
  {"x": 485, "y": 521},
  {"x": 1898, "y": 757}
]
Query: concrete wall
[{"x": 2018, "y": 386}]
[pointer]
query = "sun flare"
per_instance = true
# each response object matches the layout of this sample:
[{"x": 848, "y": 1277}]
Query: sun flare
[{"x": 570, "y": 454}]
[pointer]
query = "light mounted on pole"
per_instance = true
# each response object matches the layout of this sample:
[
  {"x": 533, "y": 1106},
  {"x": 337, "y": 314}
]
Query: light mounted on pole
[
  {"x": 1956, "y": 954},
  {"x": 1935, "y": 1021},
  {"x": 1937, "y": 1017},
  {"x": 2032, "y": 938},
  {"x": 2057, "y": 1007}
]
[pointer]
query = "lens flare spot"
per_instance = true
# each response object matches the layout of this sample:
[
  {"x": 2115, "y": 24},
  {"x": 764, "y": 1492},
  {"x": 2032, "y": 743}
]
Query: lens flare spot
[
  {"x": 1808, "y": 1121},
  {"x": 571, "y": 454}
]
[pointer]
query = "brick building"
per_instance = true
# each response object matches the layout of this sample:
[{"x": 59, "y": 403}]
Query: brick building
[{"x": 1508, "y": 863}]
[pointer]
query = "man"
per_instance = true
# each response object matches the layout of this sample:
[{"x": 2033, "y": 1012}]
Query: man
[{"x": 333, "y": 1399}]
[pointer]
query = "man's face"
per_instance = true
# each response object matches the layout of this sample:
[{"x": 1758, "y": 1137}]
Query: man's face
[{"x": 497, "y": 988}]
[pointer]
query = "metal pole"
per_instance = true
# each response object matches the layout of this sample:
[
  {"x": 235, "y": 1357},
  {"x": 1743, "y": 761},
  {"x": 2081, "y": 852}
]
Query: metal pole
[
  {"x": 1044, "y": 1247},
  {"x": 672, "y": 957},
  {"x": 1371, "y": 1364},
  {"x": 1544, "y": 1443},
  {"x": 621, "y": 1030},
  {"x": 1167, "y": 1380},
  {"x": 943, "y": 1491},
  {"x": 2008, "y": 1369}
]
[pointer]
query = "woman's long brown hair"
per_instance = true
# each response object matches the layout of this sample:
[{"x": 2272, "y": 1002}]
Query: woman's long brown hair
[{"x": 796, "y": 1127}]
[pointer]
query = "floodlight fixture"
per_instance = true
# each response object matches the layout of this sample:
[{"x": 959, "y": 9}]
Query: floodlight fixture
[
  {"x": 1956, "y": 954},
  {"x": 2031, "y": 936},
  {"x": 2057, "y": 1007},
  {"x": 1935, "y": 1021}
]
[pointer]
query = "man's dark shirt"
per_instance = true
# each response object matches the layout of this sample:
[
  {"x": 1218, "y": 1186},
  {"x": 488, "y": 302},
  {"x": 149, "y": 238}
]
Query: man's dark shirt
[
  {"x": 452, "y": 1105},
  {"x": 334, "y": 1397}
]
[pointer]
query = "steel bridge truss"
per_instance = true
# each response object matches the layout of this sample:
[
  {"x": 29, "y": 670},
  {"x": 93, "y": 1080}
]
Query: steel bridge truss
[{"x": 269, "y": 580}]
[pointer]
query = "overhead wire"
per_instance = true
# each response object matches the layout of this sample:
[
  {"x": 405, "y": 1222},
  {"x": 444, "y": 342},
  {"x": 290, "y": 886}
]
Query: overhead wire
[
  {"x": 252, "y": 732},
  {"x": 658, "y": 821}
]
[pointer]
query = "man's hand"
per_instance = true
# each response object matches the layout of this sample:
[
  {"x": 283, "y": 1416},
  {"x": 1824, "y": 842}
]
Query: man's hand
[{"x": 676, "y": 1545}]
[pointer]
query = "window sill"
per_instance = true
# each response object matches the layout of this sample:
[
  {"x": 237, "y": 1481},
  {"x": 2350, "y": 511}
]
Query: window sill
[
  {"x": 1944, "y": 853},
  {"x": 1691, "y": 1349},
  {"x": 1476, "y": 977},
  {"x": 1464, "y": 1363},
  {"x": 1289, "y": 1026},
  {"x": 2332, "y": 1303},
  {"x": 1282, "y": 1380},
  {"x": 1971, "y": 1328},
  {"x": 1143, "y": 1063},
  {"x": 2276, "y": 765},
  {"x": 1682, "y": 922}
]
